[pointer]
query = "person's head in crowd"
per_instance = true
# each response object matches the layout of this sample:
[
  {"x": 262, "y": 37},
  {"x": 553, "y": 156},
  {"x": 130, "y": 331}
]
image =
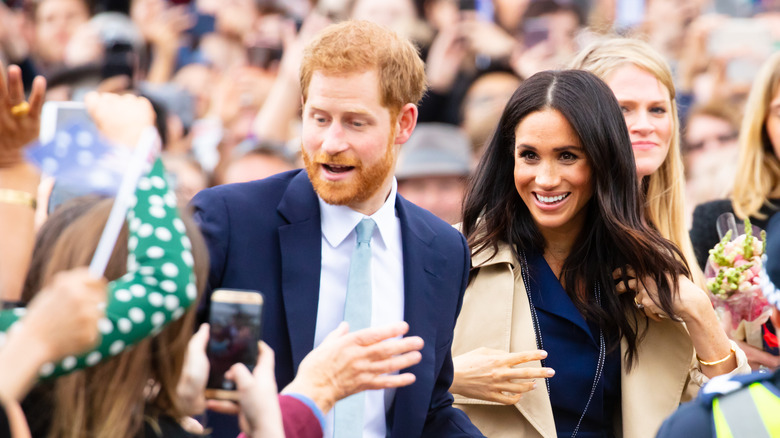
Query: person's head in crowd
[
  {"x": 440, "y": 14},
  {"x": 482, "y": 106},
  {"x": 197, "y": 79},
  {"x": 758, "y": 168},
  {"x": 186, "y": 175},
  {"x": 709, "y": 142},
  {"x": 55, "y": 23},
  {"x": 553, "y": 22},
  {"x": 509, "y": 13},
  {"x": 253, "y": 160},
  {"x": 433, "y": 168},
  {"x": 560, "y": 164},
  {"x": 113, "y": 395},
  {"x": 642, "y": 82},
  {"x": 360, "y": 86}
]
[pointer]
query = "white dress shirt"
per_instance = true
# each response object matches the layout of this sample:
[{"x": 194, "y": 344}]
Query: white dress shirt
[{"x": 387, "y": 287}]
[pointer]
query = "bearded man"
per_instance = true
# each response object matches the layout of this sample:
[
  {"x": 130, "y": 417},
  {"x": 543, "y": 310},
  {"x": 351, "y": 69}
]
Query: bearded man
[{"x": 336, "y": 243}]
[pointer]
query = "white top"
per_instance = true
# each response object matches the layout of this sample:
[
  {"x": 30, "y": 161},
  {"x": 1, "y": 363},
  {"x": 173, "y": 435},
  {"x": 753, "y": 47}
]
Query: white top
[{"x": 387, "y": 287}]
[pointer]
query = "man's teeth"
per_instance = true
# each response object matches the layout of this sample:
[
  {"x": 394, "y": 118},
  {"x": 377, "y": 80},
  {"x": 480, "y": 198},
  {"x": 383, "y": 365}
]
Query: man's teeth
[{"x": 551, "y": 199}]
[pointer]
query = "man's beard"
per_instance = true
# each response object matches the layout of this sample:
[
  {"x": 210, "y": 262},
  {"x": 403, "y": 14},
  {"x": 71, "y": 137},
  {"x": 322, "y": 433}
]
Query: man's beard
[{"x": 360, "y": 187}]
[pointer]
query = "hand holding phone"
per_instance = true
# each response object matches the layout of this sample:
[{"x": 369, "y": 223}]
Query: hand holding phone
[{"x": 235, "y": 321}]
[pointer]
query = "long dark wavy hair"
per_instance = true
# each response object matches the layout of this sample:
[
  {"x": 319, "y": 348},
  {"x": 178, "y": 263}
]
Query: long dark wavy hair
[{"x": 615, "y": 236}]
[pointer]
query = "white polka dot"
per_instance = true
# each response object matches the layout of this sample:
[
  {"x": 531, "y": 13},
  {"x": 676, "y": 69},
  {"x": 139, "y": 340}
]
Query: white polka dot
[
  {"x": 20, "y": 311},
  {"x": 138, "y": 290},
  {"x": 131, "y": 203},
  {"x": 132, "y": 243},
  {"x": 116, "y": 347},
  {"x": 123, "y": 295},
  {"x": 170, "y": 270},
  {"x": 129, "y": 276},
  {"x": 171, "y": 302},
  {"x": 84, "y": 139},
  {"x": 170, "y": 199},
  {"x": 163, "y": 234},
  {"x": 47, "y": 369},
  {"x": 85, "y": 158},
  {"x": 168, "y": 286},
  {"x": 63, "y": 139},
  {"x": 135, "y": 224},
  {"x": 192, "y": 291},
  {"x": 49, "y": 166},
  {"x": 69, "y": 363},
  {"x": 146, "y": 270},
  {"x": 156, "y": 200},
  {"x": 136, "y": 315},
  {"x": 2, "y": 339},
  {"x": 93, "y": 358},
  {"x": 187, "y": 257},
  {"x": 151, "y": 281},
  {"x": 155, "y": 252},
  {"x": 158, "y": 182},
  {"x": 158, "y": 318},
  {"x": 156, "y": 211},
  {"x": 131, "y": 260},
  {"x": 178, "y": 313},
  {"x": 155, "y": 299},
  {"x": 144, "y": 184},
  {"x": 146, "y": 230},
  {"x": 179, "y": 225},
  {"x": 133, "y": 266},
  {"x": 105, "y": 326},
  {"x": 124, "y": 325},
  {"x": 185, "y": 241}
]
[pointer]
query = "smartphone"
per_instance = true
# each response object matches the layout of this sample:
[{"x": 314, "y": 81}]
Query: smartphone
[
  {"x": 467, "y": 5},
  {"x": 59, "y": 116},
  {"x": 535, "y": 31},
  {"x": 120, "y": 60},
  {"x": 263, "y": 57},
  {"x": 235, "y": 318}
]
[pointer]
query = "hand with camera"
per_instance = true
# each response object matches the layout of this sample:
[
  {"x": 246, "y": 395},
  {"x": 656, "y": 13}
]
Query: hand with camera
[{"x": 162, "y": 27}]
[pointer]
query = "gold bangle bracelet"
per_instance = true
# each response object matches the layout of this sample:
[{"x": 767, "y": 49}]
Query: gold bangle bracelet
[
  {"x": 18, "y": 197},
  {"x": 716, "y": 362}
]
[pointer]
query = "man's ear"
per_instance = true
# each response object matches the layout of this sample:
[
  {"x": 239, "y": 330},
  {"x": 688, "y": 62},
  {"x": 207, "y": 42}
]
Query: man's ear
[{"x": 405, "y": 123}]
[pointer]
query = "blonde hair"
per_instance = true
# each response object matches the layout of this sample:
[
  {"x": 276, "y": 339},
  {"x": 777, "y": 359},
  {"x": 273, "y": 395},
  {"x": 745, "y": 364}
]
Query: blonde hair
[
  {"x": 116, "y": 395},
  {"x": 358, "y": 46},
  {"x": 664, "y": 188},
  {"x": 758, "y": 168}
]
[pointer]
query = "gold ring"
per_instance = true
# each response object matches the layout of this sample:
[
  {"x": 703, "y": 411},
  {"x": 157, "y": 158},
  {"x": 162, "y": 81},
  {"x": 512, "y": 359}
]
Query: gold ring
[
  {"x": 20, "y": 109},
  {"x": 638, "y": 304}
]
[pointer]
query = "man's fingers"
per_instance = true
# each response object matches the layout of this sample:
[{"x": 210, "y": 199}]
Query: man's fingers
[
  {"x": 395, "y": 363},
  {"x": 373, "y": 335},
  {"x": 393, "y": 347},
  {"x": 391, "y": 381},
  {"x": 223, "y": 407},
  {"x": 341, "y": 330},
  {"x": 525, "y": 373}
]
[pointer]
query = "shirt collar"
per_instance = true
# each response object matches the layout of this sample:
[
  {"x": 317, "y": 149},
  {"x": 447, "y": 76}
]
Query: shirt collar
[{"x": 337, "y": 221}]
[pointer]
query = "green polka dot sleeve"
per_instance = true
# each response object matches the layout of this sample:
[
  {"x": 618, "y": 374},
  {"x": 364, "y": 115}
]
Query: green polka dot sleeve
[{"x": 159, "y": 285}]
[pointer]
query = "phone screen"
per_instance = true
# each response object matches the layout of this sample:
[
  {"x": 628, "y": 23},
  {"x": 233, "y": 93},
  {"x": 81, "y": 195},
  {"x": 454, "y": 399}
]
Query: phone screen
[{"x": 235, "y": 320}]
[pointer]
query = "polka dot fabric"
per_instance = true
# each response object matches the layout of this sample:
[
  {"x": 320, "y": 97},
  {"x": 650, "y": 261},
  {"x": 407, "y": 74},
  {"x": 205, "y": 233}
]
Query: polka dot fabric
[{"x": 159, "y": 284}]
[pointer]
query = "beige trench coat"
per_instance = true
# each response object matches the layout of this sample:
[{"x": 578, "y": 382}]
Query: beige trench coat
[{"x": 496, "y": 315}]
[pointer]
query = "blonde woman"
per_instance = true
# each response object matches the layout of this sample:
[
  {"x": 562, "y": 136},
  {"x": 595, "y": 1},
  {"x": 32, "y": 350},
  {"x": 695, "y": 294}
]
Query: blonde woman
[
  {"x": 642, "y": 82},
  {"x": 756, "y": 192}
]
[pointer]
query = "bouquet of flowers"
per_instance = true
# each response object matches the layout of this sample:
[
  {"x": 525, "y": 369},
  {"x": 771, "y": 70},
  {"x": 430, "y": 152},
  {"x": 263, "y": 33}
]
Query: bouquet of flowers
[{"x": 732, "y": 273}]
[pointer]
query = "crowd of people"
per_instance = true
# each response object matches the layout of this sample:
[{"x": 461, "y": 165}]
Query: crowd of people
[{"x": 466, "y": 218}]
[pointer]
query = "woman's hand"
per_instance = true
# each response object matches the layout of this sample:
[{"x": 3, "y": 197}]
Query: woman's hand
[
  {"x": 757, "y": 357},
  {"x": 20, "y": 121},
  {"x": 493, "y": 375}
]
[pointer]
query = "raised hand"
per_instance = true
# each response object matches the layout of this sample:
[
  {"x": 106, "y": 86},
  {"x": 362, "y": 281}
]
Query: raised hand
[{"x": 20, "y": 121}]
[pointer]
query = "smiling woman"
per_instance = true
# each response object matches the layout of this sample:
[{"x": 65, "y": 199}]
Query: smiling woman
[{"x": 570, "y": 281}]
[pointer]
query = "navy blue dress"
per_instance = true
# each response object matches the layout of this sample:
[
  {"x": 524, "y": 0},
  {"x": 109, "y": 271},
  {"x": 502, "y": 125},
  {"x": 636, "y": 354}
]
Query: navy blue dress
[{"x": 572, "y": 345}]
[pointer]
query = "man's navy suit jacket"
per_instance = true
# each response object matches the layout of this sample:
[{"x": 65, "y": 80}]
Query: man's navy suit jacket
[{"x": 265, "y": 235}]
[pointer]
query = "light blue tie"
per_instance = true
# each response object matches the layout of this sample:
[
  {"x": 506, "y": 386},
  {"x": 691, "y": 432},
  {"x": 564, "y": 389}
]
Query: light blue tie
[{"x": 348, "y": 416}]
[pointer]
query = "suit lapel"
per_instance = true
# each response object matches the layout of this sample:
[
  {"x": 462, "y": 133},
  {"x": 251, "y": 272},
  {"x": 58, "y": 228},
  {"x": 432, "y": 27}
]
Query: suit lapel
[
  {"x": 421, "y": 279},
  {"x": 300, "y": 244}
]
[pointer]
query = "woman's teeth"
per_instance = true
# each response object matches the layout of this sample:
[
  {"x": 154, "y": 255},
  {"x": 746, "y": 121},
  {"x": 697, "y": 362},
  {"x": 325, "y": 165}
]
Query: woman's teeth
[{"x": 551, "y": 199}]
